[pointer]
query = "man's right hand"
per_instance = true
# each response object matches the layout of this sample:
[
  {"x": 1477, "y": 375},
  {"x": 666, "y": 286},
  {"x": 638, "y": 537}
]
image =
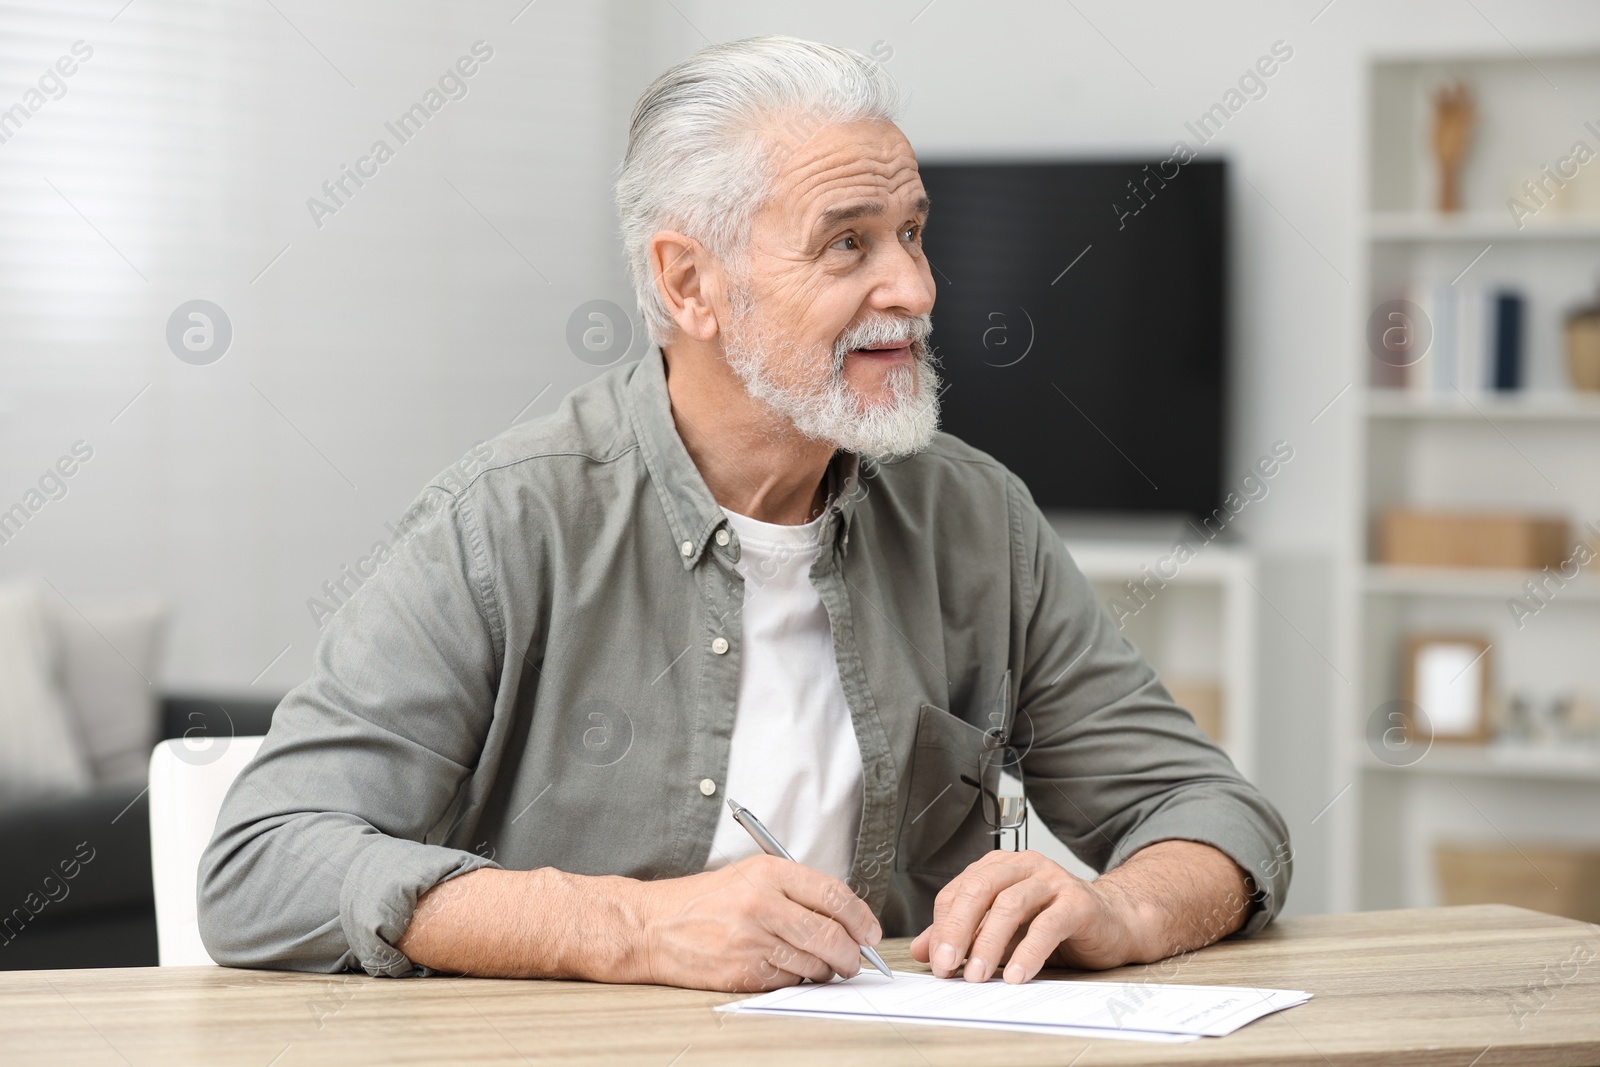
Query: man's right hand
[
  {"x": 754, "y": 925},
  {"x": 757, "y": 924}
]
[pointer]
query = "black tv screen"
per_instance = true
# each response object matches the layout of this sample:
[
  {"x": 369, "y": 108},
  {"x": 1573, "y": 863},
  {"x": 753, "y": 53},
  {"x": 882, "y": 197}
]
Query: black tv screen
[{"x": 1081, "y": 325}]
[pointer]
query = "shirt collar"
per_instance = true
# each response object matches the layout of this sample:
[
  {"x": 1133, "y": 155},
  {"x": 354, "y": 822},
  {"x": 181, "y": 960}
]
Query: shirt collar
[{"x": 692, "y": 512}]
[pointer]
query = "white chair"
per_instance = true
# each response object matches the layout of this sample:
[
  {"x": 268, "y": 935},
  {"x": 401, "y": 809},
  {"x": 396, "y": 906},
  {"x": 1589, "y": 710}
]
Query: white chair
[{"x": 186, "y": 793}]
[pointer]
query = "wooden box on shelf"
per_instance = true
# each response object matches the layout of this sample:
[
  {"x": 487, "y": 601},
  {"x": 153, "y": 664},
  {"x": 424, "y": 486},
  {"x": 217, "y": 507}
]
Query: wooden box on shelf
[
  {"x": 1464, "y": 539},
  {"x": 1555, "y": 879}
]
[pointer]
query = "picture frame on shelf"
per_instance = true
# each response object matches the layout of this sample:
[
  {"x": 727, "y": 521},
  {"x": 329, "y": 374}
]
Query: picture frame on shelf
[{"x": 1447, "y": 677}]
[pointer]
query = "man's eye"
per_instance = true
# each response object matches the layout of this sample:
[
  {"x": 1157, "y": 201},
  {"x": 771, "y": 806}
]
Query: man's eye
[
  {"x": 915, "y": 230},
  {"x": 842, "y": 240}
]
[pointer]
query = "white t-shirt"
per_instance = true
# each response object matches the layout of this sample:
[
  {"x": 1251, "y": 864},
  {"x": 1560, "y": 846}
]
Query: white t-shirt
[{"x": 793, "y": 760}]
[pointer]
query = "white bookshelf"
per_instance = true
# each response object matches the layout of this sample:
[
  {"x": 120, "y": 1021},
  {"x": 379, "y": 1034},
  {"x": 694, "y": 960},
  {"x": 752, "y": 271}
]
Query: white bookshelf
[
  {"x": 1469, "y": 584},
  {"x": 1400, "y": 404},
  {"x": 1501, "y": 761},
  {"x": 1533, "y": 451},
  {"x": 1480, "y": 226}
]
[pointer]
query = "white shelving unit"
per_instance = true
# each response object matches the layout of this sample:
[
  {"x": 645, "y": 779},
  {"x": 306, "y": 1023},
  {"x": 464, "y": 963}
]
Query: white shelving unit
[
  {"x": 1503, "y": 761},
  {"x": 1396, "y": 404},
  {"x": 1469, "y": 584},
  {"x": 1200, "y": 628},
  {"x": 1533, "y": 451},
  {"x": 1395, "y": 226}
]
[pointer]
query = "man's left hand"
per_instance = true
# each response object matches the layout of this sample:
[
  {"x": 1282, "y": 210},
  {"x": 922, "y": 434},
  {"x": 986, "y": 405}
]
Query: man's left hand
[{"x": 1023, "y": 910}]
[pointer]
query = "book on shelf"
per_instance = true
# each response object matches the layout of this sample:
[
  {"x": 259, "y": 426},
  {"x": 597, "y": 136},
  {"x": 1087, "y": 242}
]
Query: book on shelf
[
  {"x": 1476, "y": 343},
  {"x": 1508, "y": 341}
]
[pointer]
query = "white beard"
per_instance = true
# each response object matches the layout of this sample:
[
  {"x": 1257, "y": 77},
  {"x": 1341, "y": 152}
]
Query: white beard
[{"x": 828, "y": 409}]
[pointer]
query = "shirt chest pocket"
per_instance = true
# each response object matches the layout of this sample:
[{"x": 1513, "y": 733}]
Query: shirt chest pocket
[{"x": 942, "y": 828}]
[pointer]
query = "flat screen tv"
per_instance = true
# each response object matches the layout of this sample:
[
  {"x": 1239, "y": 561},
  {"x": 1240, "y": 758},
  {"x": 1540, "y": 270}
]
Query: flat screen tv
[{"x": 1081, "y": 323}]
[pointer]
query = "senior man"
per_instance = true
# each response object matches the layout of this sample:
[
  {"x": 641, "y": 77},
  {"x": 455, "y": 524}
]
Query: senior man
[{"x": 747, "y": 565}]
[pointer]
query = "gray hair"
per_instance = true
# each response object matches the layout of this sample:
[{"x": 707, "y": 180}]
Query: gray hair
[{"x": 697, "y": 161}]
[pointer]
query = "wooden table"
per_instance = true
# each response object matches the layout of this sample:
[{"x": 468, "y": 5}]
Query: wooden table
[{"x": 1464, "y": 987}]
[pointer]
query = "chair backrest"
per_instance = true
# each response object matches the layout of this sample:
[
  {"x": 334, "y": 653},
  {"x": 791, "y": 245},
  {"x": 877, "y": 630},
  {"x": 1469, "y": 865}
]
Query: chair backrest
[{"x": 186, "y": 790}]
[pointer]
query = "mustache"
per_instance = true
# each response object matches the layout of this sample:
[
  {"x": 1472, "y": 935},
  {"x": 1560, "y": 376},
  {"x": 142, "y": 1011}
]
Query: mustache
[{"x": 885, "y": 331}]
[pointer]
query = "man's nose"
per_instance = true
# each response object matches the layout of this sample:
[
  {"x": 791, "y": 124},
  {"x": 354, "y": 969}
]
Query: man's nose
[{"x": 904, "y": 286}]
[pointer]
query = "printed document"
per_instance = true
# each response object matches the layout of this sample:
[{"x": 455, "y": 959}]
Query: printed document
[{"x": 1137, "y": 1010}]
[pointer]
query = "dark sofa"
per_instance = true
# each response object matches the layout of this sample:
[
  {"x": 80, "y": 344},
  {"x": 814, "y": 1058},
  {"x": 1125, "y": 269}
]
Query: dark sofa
[{"x": 75, "y": 886}]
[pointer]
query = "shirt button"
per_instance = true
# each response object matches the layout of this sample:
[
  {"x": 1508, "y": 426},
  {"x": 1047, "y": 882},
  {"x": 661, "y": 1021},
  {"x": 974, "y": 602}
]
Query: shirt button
[
  {"x": 719, "y": 646},
  {"x": 707, "y": 787},
  {"x": 722, "y": 537},
  {"x": 688, "y": 548}
]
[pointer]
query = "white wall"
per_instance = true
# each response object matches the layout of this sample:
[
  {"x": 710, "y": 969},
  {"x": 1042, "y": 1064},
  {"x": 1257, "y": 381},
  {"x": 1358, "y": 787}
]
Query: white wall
[
  {"x": 376, "y": 350},
  {"x": 407, "y": 327}
]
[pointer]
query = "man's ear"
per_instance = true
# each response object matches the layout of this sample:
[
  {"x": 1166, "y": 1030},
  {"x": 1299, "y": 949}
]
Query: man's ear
[{"x": 681, "y": 267}]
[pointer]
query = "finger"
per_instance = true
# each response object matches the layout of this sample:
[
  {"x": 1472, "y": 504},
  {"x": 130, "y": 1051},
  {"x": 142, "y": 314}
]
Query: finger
[
  {"x": 1011, "y": 910},
  {"x": 830, "y": 897},
  {"x": 919, "y": 946},
  {"x": 961, "y": 905},
  {"x": 814, "y": 934},
  {"x": 763, "y": 977},
  {"x": 798, "y": 978},
  {"x": 795, "y": 961},
  {"x": 1045, "y": 934},
  {"x": 1016, "y": 939}
]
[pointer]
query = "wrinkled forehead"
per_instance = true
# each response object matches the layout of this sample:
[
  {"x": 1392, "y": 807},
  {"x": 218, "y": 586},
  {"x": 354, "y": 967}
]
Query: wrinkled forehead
[{"x": 824, "y": 170}]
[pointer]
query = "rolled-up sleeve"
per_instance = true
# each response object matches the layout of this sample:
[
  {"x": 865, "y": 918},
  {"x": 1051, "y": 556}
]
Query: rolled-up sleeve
[
  {"x": 1112, "y": 763},
  {"x": 328, "y": 837}
]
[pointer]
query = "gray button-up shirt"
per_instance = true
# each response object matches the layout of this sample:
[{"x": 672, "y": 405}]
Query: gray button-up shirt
[{"x": 543, "y": 671}]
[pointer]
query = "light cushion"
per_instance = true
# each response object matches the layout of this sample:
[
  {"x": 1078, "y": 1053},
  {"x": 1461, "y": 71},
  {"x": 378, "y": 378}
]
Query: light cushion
[
  {"x": 109, "y": 657},
  {"x": 40, "y": 752}
]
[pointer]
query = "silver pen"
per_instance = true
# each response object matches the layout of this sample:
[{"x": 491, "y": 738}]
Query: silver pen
[{"x": 769, "y": 844}]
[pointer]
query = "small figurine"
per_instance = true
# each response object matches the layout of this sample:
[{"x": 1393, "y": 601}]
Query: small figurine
[
  {"x": 1577, "y": 717},
  {"x": 1517, "y": 724},
  {"x": 1453, "y": 117}
]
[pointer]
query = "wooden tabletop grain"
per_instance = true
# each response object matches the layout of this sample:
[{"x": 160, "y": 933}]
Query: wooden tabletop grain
[{"x": 1458, "y": 987}]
